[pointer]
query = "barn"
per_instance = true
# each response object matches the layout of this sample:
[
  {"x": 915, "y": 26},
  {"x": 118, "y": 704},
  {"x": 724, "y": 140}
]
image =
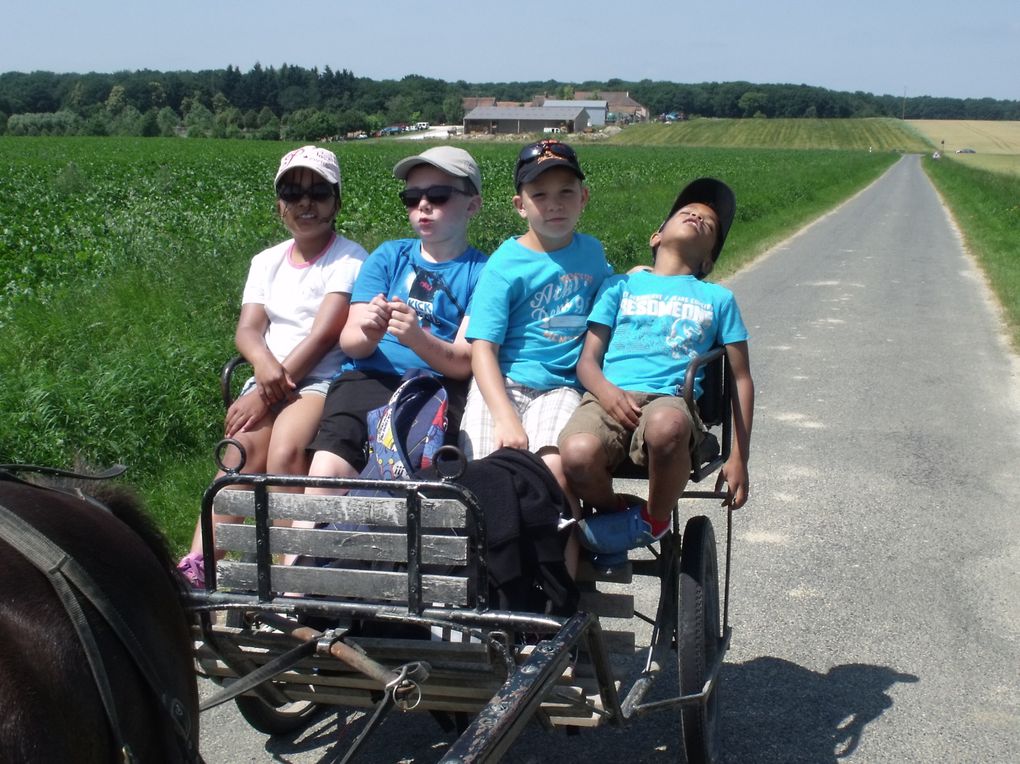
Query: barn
[
  {"x": 596, "y": 109},
  {"x": 527, "y": 119}
]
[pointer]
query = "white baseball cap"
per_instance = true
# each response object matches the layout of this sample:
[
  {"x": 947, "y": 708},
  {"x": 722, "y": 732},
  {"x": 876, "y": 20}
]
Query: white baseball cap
[{"x": 320, "y": 161}]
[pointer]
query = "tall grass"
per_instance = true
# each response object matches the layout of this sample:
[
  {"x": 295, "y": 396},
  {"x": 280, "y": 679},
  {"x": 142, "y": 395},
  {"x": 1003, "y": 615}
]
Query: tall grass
[
  {"x": 122, "y": 263},
  {"x": 986, "y": 205}
]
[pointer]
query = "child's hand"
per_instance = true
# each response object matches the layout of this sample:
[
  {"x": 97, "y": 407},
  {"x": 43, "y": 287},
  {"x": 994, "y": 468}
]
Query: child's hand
[
  {"x": 376, "y": 318},
  {"x": 734, "y": 474},
  {"x": 510, "y": 434},
  {"x": 244, "y": 413},
  {"x": 403, "y": 323},
  {"x": 621, "y": 406},
  {"x": 273, "y": 383}
]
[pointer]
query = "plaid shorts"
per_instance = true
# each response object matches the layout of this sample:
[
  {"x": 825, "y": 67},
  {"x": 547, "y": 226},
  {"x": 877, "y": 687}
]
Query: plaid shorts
[{"x": 543, "y": 414}]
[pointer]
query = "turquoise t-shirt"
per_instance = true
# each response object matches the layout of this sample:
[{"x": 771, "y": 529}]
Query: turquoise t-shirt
[
  {"x": 658, "y": 324},
  {"x": 438, "y": 292},
  {"x": 535, "y": 306}
]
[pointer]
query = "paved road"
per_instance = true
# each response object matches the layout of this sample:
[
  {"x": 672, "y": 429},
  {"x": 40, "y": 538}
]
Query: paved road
[{"x": 876, "y": 602}]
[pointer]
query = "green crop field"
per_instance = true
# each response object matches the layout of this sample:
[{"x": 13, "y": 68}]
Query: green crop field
[
  {"x": 878, "y": 134},
  {"x": 122, "y": 263}
]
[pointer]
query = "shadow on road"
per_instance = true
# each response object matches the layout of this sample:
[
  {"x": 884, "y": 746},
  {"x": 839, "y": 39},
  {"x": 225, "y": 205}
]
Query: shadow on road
[
  {"x": 782, "y": 712},
  {"x": 770, "y": 710}
]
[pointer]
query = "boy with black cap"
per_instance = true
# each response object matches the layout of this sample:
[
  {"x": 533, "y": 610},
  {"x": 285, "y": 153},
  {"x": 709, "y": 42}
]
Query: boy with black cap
[
  {"x": 408, "y": 308},
  {"x": 528, "y": 313},
  {"x": 642, "y": 334}
]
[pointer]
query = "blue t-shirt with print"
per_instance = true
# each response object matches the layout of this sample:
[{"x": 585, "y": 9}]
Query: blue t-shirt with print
[
  {"x": 438, "y": 292},
  {"x": 658, "y": 324},
  {"x": 535, "y": 306}
]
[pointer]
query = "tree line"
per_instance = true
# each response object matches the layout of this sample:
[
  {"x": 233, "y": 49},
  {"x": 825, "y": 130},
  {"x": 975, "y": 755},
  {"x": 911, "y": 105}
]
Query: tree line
[{"x": 297, "y": 103}]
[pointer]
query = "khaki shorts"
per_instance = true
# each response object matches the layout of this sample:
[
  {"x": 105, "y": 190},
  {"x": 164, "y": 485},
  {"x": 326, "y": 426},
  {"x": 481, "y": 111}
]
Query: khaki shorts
[{"x": 619, "y": 442}]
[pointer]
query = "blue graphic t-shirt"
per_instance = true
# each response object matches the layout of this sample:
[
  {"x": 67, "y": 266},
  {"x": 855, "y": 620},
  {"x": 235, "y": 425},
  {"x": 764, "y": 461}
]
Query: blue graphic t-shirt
[
  {"x": 658, "y": 324},
  {"x": 438, "y": 292},
  {"x": 535, "y": 306}
]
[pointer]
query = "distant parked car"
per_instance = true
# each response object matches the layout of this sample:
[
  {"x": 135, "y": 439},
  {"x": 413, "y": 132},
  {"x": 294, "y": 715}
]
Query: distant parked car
[{"x": 965, "y": 151}]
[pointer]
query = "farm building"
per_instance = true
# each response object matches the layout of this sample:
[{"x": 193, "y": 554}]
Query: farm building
[
  {"x": 622, "y": 108},
  {"x": 526, "y": 119},
  {"x": 596, "y": 109},
  {"x": 473, "y": 102}
]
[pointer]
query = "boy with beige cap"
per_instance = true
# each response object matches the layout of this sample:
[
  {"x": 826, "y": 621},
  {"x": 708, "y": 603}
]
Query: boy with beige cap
[{"x": 408, "y": 308}]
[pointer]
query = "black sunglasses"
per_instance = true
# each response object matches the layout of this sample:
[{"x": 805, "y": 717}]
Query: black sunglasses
[
  {"x": 533, "y": 151},
  {"x": 436, "y": 195},
  {"x": 292, "y": 192}
]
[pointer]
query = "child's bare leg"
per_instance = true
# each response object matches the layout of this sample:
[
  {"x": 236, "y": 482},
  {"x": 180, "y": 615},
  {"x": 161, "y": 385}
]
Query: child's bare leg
[
  {"x": 328, "y": 464},
  {"x": 572, "y": 549},
  {"x": 667, "y": 441},
  {"x": 586, "y": 467},
  {"x": 295, "y": 427}
]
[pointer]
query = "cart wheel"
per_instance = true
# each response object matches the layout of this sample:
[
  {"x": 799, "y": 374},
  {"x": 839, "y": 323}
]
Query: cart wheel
[
  {"x": 698, "y": 635},
  {"x": 266, "y": 718}
]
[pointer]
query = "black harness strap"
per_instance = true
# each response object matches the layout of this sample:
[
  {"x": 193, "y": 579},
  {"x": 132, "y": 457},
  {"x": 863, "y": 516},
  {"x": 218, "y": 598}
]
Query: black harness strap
[
  {"x": 262, "y": 674},
  {"x": 64, "y": 572}
]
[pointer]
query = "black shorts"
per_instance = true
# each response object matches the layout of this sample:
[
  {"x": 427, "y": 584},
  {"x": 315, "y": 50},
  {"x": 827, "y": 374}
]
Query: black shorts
[{"x": 343, "y": 429}]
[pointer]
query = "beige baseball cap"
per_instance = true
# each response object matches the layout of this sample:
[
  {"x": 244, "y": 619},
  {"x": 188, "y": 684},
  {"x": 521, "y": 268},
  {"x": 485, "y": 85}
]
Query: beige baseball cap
[{"x": 449, "y": 159}]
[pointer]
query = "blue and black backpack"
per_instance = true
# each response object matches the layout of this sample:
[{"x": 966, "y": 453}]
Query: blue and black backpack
[{"x": 404, "y": 434}]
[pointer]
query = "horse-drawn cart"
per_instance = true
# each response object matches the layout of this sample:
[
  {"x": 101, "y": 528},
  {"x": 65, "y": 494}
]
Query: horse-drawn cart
[{"x": 396, "y": 614}]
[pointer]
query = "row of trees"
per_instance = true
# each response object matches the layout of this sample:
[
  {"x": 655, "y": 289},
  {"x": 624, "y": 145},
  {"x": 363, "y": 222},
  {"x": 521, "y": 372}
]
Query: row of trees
[{"x": 295, "y": 103}]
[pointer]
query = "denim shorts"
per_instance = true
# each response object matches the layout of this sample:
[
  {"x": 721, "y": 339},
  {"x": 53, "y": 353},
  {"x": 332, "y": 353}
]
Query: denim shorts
[{"x": 312, "y": 385}]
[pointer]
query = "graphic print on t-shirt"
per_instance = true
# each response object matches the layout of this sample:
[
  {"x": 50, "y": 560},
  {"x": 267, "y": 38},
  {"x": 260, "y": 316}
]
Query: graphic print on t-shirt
[
  {"x": 682, "y": 321},
  {"x": 562, "y": 308},
  {"x": 423, "y": 288}
]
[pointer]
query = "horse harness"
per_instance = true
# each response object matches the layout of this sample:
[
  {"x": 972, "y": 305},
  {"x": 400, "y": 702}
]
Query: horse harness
[{"x": 73, "y": 584}]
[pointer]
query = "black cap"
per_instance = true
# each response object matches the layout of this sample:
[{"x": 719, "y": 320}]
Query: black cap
[
  {"x": 715, "y": 194},
  {"x": 536, "y": 158}
]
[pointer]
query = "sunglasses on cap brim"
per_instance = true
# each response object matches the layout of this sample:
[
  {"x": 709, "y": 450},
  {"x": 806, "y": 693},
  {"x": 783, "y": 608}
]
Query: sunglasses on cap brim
[{"x": 533, "y": 151}]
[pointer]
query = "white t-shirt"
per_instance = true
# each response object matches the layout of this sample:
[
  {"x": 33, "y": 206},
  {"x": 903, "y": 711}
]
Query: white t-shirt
[{"x": 291, "y": 294}]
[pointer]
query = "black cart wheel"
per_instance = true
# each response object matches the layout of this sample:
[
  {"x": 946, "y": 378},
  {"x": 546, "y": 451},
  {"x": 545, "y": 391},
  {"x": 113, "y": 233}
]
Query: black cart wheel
[
  {"x": 698, "y": 635},
  {"x": 267, "y": 718}
]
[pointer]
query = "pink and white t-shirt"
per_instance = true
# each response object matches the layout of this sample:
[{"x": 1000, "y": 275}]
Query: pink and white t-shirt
[{"x": 291, "y": 294}]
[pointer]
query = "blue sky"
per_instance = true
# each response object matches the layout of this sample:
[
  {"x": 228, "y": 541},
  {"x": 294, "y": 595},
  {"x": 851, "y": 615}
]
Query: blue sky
[{"x": 895, "y": 47}]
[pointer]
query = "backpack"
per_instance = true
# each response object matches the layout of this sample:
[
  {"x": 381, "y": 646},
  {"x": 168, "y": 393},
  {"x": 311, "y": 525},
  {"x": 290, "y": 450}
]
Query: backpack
[{"x": 405, "y": 433}]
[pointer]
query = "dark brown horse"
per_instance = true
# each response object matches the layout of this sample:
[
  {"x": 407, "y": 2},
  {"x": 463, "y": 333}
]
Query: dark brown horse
[{"x": 116, "y": 566}]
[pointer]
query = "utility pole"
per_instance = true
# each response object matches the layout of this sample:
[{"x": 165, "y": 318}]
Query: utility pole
[{"x": 903, "y": 108}]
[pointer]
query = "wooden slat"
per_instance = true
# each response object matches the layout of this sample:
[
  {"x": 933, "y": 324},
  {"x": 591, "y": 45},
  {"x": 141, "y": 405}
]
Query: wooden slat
[
  {"x": 607, "y": 605},
  {"x": 619, "y": 641},
  {"x": 586, "y": 573},
  {"x": 369, "y": 510},
  {"x": 367, "y": 546},
  {"x": 343, "y": 583}
]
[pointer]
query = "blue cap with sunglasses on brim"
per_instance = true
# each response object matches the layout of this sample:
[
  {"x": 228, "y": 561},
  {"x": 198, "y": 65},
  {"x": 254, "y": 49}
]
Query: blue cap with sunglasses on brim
[
  {"x": 449, "y": 159},
  {"x": 537, "y": 157}
]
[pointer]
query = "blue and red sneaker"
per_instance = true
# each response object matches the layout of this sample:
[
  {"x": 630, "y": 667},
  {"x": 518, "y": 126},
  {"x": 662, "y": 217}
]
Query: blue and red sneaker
[{"x": 609, "y": 533}]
